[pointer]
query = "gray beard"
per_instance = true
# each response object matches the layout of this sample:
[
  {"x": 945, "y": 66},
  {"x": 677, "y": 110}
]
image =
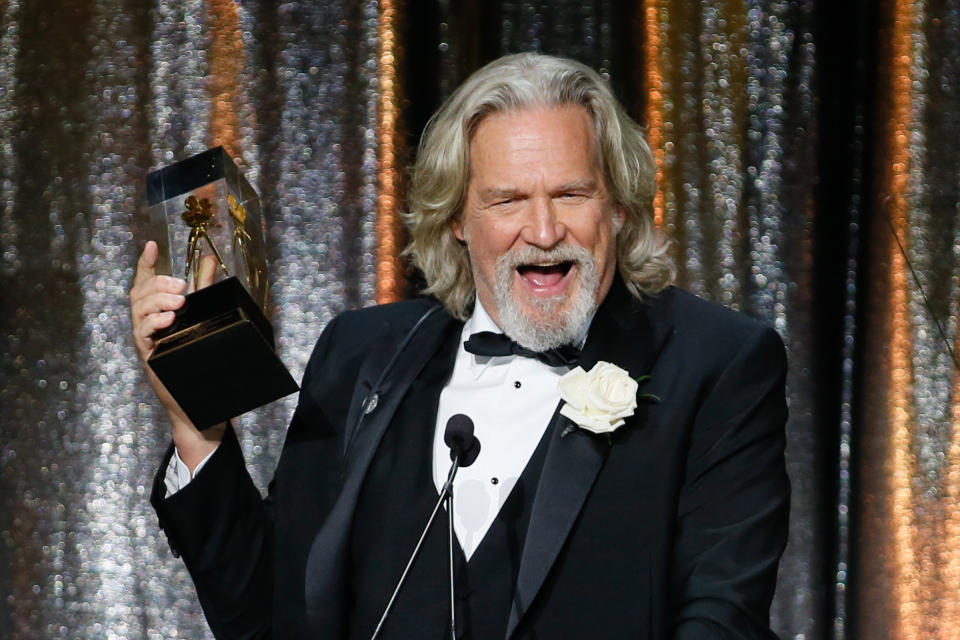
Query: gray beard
[{"x": 555, "y": 325}]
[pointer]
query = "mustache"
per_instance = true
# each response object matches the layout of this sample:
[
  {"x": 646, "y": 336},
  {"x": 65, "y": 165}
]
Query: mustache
[{"x": 535, "y": 255}]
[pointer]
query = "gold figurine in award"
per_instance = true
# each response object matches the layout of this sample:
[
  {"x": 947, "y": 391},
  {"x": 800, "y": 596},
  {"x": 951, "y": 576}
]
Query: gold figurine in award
[
  {"x": 198, "y": 216},
  {"x": 218, "y": 358},
  {"x": 242, "y": 239}
]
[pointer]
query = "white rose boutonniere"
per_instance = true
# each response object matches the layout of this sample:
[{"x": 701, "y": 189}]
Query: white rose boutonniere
[{"x": 599, "y": 400}]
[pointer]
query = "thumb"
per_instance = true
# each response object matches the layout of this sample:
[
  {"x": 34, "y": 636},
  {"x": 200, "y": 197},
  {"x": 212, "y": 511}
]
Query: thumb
[{"x": 147, "y": 264}]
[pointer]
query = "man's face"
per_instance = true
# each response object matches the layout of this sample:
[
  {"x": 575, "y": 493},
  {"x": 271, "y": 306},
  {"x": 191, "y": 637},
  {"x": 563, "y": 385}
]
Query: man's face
[{"x": 539, "y": 224}]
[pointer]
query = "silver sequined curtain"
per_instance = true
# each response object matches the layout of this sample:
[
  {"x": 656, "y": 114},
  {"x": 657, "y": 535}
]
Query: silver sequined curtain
[{"x": 92, "y": 96}]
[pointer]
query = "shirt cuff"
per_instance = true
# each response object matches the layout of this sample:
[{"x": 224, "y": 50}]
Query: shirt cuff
[{"x": 178, "y": 474}]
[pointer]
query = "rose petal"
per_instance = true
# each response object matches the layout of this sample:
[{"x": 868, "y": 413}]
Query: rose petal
[{"x": 571, "y": 386}]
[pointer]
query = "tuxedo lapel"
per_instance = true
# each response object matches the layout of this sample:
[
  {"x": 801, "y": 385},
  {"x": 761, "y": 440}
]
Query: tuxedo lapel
[
  {"x": 622, "y": 333},
  {"x": 382, "y": 383}
]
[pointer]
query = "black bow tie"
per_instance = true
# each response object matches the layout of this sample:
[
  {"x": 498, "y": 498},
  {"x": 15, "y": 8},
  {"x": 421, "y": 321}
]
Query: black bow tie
[{"x": 488, "y": 343}]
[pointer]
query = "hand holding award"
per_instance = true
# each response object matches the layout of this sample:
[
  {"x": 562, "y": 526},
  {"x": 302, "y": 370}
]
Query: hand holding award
[{"x": 215, "y": 354}]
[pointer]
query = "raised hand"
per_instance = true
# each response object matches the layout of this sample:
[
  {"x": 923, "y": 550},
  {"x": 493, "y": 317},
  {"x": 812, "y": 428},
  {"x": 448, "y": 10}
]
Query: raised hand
[{"x": 154, "y": 300}]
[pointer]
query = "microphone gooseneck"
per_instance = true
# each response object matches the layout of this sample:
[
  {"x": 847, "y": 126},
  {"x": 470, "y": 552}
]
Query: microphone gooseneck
[{"x": 464, "y": 449}]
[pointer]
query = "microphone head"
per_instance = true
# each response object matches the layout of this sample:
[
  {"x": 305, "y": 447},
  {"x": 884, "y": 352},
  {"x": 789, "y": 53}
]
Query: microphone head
[{"x": 459, "y": 437}]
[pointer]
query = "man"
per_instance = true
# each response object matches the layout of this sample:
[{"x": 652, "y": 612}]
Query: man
[{"x": 530, "y": 216}]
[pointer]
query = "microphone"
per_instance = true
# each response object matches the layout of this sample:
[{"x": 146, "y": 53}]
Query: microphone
[
  {"x": 459, "y": 437},
  {"x": 464, "y": 449}
]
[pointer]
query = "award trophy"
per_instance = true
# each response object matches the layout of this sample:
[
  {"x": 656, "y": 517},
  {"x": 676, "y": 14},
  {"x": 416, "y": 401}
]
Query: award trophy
[{"x": 217, "y": 359}]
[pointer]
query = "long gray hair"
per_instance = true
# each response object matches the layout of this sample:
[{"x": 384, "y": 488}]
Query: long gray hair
[{"x": 442, "y": 171}]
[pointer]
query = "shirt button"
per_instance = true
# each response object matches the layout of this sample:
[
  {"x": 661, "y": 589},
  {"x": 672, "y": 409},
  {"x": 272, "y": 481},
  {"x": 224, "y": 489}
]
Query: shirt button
[
  {"x": 516, "y": 384},
  {"x": 494, "y": 481}
]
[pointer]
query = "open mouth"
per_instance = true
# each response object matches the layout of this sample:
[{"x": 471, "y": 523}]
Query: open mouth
[{"x": 545, "y": 276}]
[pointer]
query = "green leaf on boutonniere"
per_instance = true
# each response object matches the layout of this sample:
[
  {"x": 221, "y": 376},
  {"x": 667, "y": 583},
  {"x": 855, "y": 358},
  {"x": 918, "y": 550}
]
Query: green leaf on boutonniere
[{"x": 652, "y": 397}]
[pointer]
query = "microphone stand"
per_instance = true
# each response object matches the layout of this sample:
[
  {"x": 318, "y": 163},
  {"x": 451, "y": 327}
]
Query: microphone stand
[
  {"x": 446, "y": 495},
  {"x": 453, "y": 600}
]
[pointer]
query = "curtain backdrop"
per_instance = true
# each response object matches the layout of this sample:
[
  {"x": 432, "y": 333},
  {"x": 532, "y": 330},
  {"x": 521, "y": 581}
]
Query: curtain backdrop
[{"x": 808, "y": 169}]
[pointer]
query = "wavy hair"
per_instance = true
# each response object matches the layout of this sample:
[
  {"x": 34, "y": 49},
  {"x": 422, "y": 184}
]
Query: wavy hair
[{"x": 442, "y": 170}]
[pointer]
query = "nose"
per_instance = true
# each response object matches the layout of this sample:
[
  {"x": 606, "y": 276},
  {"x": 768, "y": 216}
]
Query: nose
[{"x": 542, "y": 228}]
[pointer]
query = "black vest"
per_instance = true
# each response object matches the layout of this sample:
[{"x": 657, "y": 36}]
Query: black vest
[{"x": 395, "y": 502}]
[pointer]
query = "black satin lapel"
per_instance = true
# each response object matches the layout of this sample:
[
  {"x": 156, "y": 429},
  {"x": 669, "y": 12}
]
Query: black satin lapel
[
  {"x": 627, "y": 333},
  {"x": 328, "y": 551},
  {"x": 569, "y": 471}
]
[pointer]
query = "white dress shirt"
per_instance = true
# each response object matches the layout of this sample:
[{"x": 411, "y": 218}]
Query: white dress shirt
[{"x": 511, "y": 400}]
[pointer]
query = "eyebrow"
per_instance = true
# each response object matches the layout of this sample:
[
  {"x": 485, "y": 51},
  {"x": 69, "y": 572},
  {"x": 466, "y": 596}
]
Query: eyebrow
[
  {"x": 587, "y": 184},
  {"x": 493, "y": 193}
]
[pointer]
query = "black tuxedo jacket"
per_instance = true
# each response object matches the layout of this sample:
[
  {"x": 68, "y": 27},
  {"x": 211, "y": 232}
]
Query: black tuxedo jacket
[{"x": 672, "y": 527}]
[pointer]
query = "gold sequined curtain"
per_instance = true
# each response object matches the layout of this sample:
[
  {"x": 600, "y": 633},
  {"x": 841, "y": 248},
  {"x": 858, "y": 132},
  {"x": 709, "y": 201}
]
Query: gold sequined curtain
[
  {"x": 910, "y": 470},
  {"x": 822, "y": 203}
]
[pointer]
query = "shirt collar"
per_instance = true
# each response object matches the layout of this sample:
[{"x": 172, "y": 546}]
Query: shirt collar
[{"x": 479, "y": 321}]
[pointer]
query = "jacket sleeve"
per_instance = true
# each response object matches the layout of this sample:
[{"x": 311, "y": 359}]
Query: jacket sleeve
[
  {"x": 734, "y": 504},
  {"x": 220, "y": 526},
  {"x": 226, "y": 532}
]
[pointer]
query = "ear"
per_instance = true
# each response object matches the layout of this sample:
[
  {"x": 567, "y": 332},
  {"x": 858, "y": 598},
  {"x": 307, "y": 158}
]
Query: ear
[
  {"x": 457, "y": 225},
  {"x": 619, "y": 217}
]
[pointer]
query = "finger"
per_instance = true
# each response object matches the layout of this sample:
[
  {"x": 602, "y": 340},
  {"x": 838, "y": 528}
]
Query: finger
[
  {"x": 157, "y": 303},
  {"x": 143, "y": 333},
  {"x": 207, "y": 269},
  {"x": 146, "y": 265},
  {"x": 153, "y": 323},
  {"x": 155, "y": 285},
  {"x": 169, "y": 284}
]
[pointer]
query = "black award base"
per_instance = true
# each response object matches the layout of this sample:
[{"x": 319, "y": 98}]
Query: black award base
[{"x": 218, "y": 359}]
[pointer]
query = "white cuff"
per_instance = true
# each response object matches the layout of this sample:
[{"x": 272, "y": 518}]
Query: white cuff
[{"x": 178, "y": 474}]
